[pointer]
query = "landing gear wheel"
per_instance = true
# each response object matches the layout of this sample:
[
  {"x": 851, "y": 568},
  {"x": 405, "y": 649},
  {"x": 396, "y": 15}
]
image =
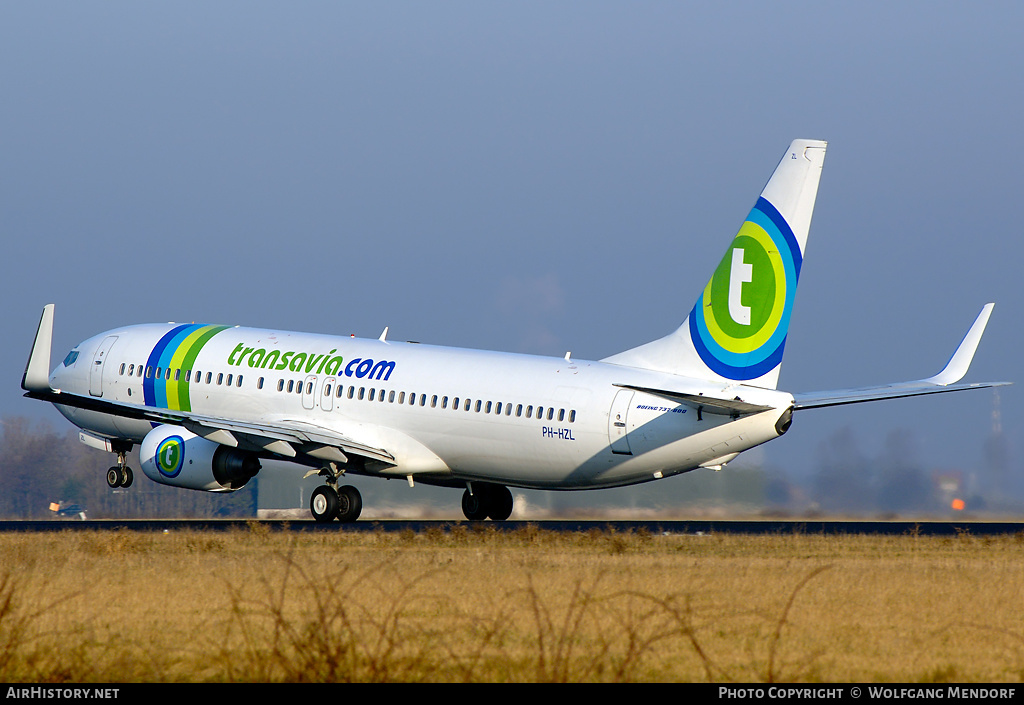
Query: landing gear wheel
[
  {"x": 474, "y": 504},
  {"x": 499, "y": 503},
  {"x": 121, "y": 475},
  {"x": 350, "y": 504},
  {"x": 114, "y": 477},
  {"x": 324, "y": 504}
]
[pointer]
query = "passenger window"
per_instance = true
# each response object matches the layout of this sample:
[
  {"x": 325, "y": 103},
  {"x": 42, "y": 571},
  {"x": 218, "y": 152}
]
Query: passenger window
[
  {"x": 488, "y": 408},
  {"x": 519, "y": 410},
  {"x": 391, "y": 397},
  {"x": 401, "y": 397},
  {"x": 220, "y": 378},
  {"x": 121, "y": 372},
  {"x": 177, "y": 375},
  {"x": 351, "y": 392},
  {"x": 139, "y": 371},
  {"x": 159, "y": 370},
  {"x": 209, "y": 377},
  {"x": 444, "y": 402},
  {"x": 497, "y": 408},
  {"x": 455, "y": 404},
  {"x": 291, "y": 385},
  {"x": 259, "y": 383},
  {"x": 433, "y": 402},
  {"x": 309, "y": 387},
  {"x": 238, "y": 381},
  {"x": 229, "y": 380},
  {"x": 572, "y": 416},
  {"x": 423, "y": 399},
  {"x": 373, "y": 394},
  {"x": 280, "y": 385},
  {"x": 551, "y": 412},
  {"x": 468, "y": 402},
  {"x": 131, "y": 370},
  {"x": 479, "y": 405},
  {"x": 341, "y": 389},
  {"x": 327, "y": 390},
  {"x": 362, "y": 393}
]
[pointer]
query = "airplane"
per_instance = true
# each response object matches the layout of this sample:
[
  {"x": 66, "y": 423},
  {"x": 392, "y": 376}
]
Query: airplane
[{"x": 208, "y": 404}]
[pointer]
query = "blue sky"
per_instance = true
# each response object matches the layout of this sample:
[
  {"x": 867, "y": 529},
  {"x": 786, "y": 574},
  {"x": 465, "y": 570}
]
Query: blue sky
[{"x": 526, "y": 176}]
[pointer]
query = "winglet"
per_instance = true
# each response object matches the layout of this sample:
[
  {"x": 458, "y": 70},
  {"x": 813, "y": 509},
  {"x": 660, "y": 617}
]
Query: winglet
[
  {"x": 957, "y": 366},
  {"x": 37, "y": 371}
]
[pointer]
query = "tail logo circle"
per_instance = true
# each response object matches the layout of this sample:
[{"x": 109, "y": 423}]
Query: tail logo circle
[{"x": 739, "y": 324}]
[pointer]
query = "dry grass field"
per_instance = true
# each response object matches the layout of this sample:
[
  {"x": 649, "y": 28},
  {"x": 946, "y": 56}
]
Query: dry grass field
[{"x": 475, "y": 604}]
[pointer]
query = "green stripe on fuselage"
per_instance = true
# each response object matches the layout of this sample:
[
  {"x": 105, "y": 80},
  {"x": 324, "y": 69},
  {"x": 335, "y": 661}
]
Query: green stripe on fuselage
[{"x": 178, "y": 397}]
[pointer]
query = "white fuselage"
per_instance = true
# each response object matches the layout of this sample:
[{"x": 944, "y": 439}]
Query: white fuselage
[{"x": 442, "y": 413}]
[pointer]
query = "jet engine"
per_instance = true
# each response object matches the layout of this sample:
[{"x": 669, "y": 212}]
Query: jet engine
[{"x": 174, "y": 456}]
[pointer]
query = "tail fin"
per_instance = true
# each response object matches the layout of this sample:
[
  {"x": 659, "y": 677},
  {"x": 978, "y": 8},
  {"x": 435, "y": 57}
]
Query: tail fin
[{"x": 736, "y": 332}]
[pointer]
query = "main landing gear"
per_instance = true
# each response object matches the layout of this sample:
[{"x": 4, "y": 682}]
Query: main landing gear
[
  {"x": 120, "y": 475},
  {"x": 481, "y": 500},
  {"x": 328, "y": 504}
]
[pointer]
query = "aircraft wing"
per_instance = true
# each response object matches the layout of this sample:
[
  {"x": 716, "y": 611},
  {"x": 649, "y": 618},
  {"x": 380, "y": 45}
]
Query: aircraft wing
[
  {"x": 944, "y": 381},
  {"x": 283, "y": 437}
]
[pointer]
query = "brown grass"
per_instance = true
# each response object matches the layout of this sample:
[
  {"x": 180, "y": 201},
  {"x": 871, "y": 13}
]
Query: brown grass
[{"x": 475, "y": 604}]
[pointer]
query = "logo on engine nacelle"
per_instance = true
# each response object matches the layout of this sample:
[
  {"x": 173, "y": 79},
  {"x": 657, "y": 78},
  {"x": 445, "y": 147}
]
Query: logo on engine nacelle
[{"x": 170, "y": 456}]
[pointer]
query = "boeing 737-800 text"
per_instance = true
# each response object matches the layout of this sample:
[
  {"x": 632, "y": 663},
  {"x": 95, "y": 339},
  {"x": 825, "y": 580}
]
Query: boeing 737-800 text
[{"x": 208, "y": 403}]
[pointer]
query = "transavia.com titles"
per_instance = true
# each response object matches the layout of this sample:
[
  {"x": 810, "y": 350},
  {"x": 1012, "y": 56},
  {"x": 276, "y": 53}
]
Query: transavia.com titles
[{"x": 953, "y": 692}]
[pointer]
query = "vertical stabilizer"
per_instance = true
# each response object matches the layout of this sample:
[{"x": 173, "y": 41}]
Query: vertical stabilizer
[{"x": 736, "y": 331}]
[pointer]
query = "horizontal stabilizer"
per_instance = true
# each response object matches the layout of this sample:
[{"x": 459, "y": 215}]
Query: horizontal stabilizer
[
  {"x": 944, "y": 381},
  {"x": 710, "y": 405}
]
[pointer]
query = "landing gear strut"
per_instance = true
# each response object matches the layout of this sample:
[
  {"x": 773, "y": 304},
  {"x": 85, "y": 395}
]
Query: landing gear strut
[
  {"x": 481, "y": 500},
  {"x": 120, "y": 475},
  {"x": 330, "y": 502}
]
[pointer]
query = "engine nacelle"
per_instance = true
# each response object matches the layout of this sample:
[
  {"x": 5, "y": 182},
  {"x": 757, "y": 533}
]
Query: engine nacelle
[{"x": 171, "y": 455}]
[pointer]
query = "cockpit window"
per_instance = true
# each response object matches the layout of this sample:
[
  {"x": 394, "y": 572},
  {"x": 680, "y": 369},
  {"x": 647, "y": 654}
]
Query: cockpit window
[{"x": 70, "y": 359}]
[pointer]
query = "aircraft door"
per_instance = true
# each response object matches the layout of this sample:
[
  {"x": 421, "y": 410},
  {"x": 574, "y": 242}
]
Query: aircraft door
[
  {"x": 96, "y": 371},
  {"x": 617, "y": 428},
  {"x": 309, "y": 391},
  {"x": 327, "y": 395}
]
